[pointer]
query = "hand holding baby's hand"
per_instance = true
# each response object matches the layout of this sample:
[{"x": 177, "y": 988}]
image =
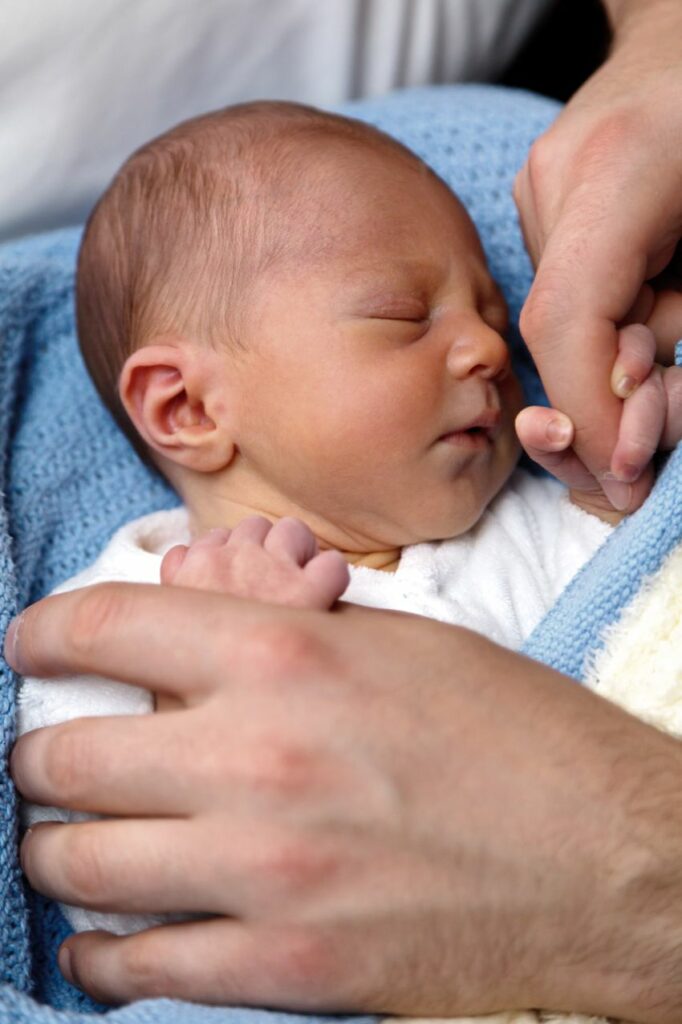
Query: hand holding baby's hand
[
  {"x": 280, "y": 564},
  {"x": 651, "y": 420}
]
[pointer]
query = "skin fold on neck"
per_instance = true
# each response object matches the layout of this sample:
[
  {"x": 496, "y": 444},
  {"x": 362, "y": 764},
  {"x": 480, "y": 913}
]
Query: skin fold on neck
[{"x": 208, "y": 512}]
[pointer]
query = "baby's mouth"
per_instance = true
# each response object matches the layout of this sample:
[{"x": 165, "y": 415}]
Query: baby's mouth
[{"x": 478, "y": 434}]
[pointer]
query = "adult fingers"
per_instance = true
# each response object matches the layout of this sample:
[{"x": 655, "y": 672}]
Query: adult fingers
[
  {"x": 636, "y": 355},
  {"x": 101, "y": 630},
  {"x": 219, "y": 961},
  {"x": 130, "y": 764},
  {"x": 292, "y": 541},
  {"x": 123, "y": 866},
  {"x": 642, "y": 422},
  {"x": 590, "y": 273}
]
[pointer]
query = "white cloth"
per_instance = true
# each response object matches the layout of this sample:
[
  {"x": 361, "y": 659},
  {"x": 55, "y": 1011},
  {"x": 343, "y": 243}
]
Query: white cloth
[
  {"x": 83, "y": 83},
  {"x": 498, "y": 579}
]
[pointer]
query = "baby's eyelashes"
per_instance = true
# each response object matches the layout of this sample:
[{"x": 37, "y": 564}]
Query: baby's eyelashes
[
  {"x": 401, "y": 306},
  {"x": 401, "y": 315}
]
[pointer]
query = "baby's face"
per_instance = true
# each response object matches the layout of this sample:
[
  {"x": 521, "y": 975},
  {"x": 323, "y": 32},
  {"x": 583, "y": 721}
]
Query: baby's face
[{"x": 375, "y": 381}]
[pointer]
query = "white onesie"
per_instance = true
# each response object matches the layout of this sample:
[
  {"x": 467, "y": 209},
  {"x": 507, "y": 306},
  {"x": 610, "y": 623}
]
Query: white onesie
[{"x": 498, "y": 579}]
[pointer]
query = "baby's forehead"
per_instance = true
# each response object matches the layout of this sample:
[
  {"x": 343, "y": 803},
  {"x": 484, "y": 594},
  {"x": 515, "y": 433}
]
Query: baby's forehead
[{"x": 348, "y": 193}]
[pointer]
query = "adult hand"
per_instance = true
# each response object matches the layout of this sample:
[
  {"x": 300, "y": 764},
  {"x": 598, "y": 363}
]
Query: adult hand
[
  {"x": 600, "y": 203},
  {"x": 383, "y": 813}
]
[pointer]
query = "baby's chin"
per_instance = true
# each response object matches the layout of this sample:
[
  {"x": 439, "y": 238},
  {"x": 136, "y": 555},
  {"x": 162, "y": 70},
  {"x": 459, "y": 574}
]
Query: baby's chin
[{"x": 459, "y": 517}]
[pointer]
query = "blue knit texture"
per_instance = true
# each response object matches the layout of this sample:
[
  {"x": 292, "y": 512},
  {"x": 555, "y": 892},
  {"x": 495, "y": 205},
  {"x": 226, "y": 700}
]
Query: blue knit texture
[
  {"x": 571, "y": 631},
  {"x": 69, "y": 479}
]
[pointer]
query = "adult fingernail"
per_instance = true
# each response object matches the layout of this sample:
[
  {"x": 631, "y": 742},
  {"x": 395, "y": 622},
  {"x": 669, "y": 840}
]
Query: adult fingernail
[
  {"x": 65, "y": 965},
  {"x": 559, "y": 430},
  {"x": 625, "y": 386},
  {"x": 618, "y": 493},
  {"x": 11, "y": 649}
]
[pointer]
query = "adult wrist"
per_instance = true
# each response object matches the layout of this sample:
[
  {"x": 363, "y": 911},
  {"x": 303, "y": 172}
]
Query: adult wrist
[
  {"x": 634, "y": 967},
  {"x": 639, "y": 25}
]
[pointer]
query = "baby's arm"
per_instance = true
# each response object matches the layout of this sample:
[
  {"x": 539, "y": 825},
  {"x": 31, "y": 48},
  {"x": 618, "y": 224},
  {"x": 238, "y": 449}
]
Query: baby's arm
[
  {"x": 651, "y": 420},
  {"x": 280, "y": 564}
]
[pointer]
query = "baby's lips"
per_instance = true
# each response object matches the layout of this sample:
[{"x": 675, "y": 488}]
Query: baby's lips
[{"x": 489, "y": 421}]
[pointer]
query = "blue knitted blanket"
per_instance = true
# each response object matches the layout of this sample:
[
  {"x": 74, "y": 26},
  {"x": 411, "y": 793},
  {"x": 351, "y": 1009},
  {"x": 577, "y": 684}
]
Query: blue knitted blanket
[{"x": 69, "y": 479}]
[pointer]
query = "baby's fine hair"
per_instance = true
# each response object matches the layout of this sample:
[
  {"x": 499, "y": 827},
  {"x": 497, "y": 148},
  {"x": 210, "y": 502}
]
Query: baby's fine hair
[{"x": 187, "y": 224}]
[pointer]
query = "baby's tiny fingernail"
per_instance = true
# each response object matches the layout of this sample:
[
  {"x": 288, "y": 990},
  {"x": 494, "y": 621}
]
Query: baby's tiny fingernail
[
  {"x": 559, "y": 430},
  {"x": 625, "y": 386},
  {"x": 629, "y": 473},
  {"x": 618, "y": 493}
]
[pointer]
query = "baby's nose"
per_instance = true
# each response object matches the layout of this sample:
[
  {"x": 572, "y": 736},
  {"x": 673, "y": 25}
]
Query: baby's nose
[{"x": 478, "y": 349}]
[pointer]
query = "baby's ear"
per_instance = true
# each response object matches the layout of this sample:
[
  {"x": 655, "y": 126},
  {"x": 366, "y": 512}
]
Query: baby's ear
[{"x": 161, "y": 389}]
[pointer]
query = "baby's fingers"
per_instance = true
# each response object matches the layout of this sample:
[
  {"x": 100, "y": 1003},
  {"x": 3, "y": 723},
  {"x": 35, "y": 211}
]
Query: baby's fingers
[
  {"x": 641, "y": 428},
  {"x": 171, "y": 562},
  {"x": 292, "y": 541},
  {"x": 252, "y": 530},
  {"x": 672, "y": 432},
  {"x": 547, "y": 436},
  {"x": 329, "y": 574},
  {"x": 636, "y": 355},
  {"x": 221, "y": 960}
]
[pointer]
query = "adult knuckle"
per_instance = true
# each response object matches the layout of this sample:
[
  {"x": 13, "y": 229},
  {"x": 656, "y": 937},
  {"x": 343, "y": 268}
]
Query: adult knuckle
[
  {"x": 309, "y": 962},
  {"x": 543, "y": 313},
  {"x": 540, "y": 161},
  {"x": 295, "y": 868},
  {"x": 284, "y": 648},
  {"x": 611, "y": 138},
  {"x": 98, "y": 611},
  {"x": 280, "y": 765}
]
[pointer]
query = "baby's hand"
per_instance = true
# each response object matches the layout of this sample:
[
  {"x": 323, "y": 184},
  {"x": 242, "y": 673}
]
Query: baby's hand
[
  {"x": 280, "y": 564},
  {"x": 651, "y": 420},
  {"x": 652, "y": 410}
]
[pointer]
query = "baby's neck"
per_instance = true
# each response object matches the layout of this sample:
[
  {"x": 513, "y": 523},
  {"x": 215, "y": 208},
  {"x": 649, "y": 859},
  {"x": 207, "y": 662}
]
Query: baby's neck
[{"x": 228, "y": 513}]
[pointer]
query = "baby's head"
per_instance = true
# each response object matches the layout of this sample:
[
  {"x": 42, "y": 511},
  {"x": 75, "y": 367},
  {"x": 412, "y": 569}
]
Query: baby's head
[{"x": 292, "y": 315}]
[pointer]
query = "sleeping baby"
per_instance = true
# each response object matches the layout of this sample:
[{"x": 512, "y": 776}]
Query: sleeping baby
[{"x": 291, "y": 317}]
